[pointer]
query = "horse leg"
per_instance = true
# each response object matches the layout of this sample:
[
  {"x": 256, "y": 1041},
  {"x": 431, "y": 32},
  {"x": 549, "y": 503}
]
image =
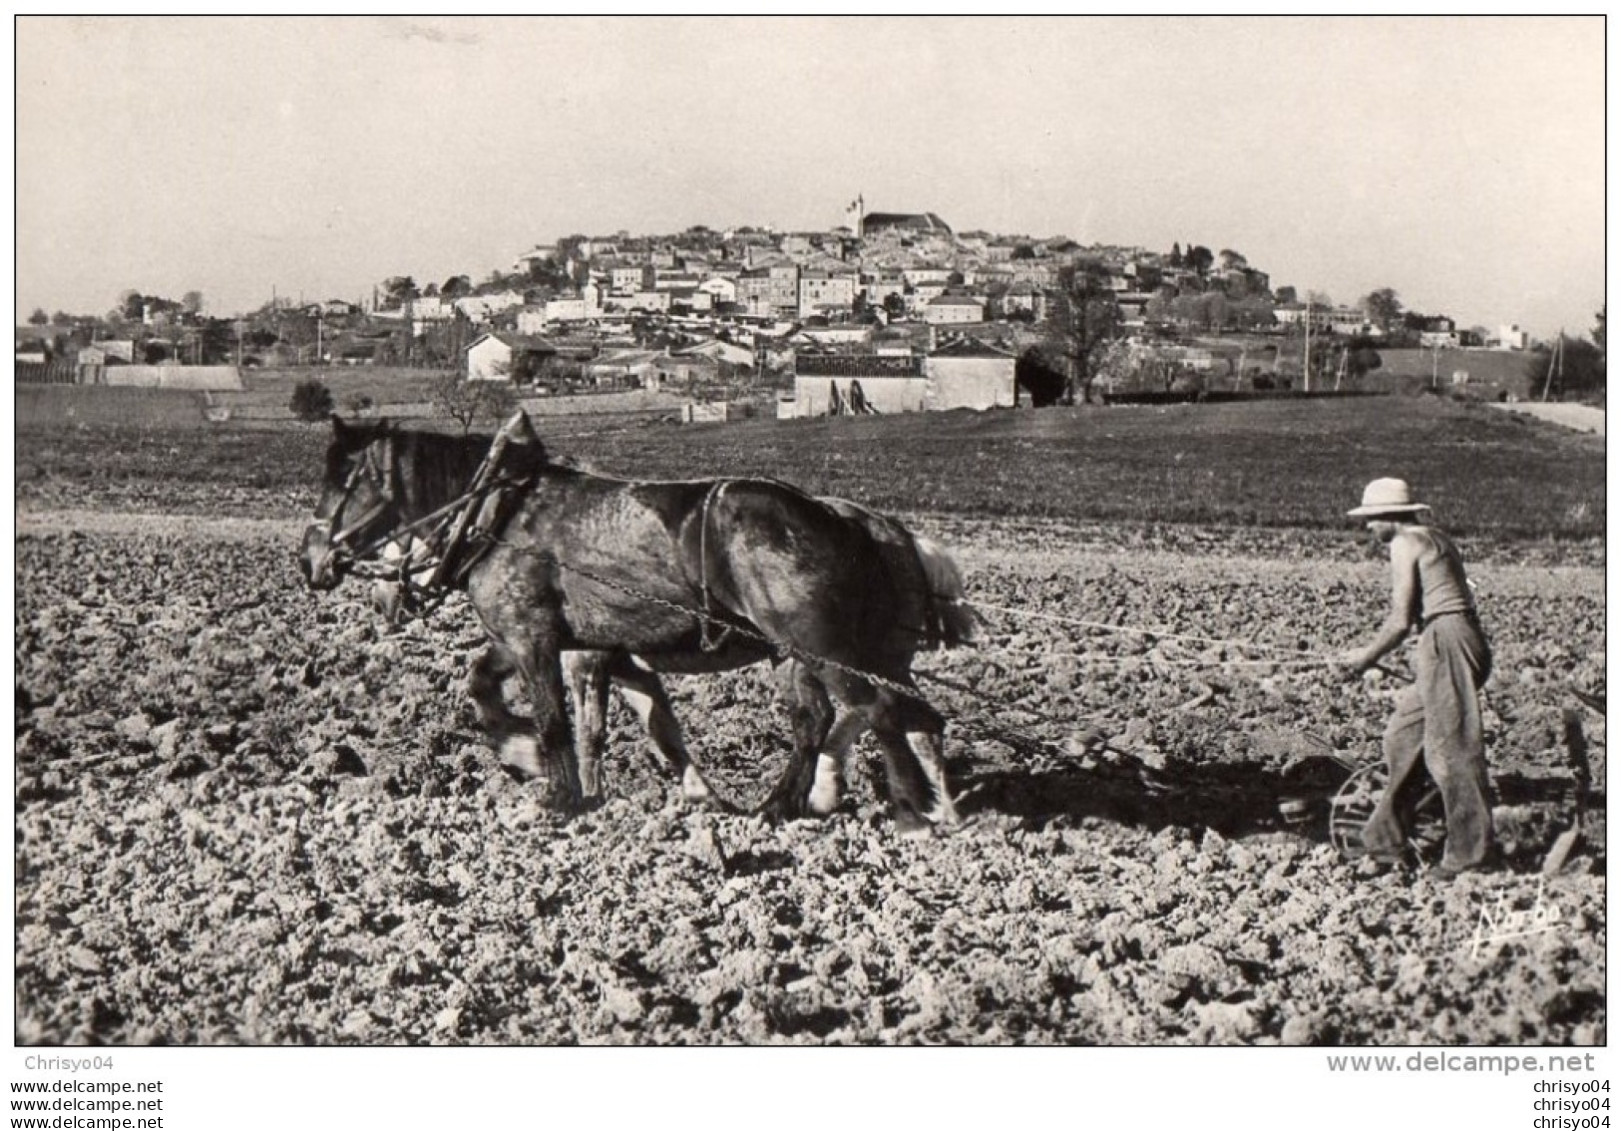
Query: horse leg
[
  {"x": 549, "y": 746},
  {"x": 586, "y": 675},
  {"x": 909, "y": 733},
  {"x": 507, "y": 730},
  {"x": 810, "y": 716},
  {"x": 644, "y": 692}
]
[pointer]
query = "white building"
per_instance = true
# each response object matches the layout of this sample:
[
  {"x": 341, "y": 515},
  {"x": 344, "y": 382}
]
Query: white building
[{"x": 954, "y": 309}]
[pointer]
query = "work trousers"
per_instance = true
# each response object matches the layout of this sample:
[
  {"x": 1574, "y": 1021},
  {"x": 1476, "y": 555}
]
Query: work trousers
[{"x": 1438, "y": 718}]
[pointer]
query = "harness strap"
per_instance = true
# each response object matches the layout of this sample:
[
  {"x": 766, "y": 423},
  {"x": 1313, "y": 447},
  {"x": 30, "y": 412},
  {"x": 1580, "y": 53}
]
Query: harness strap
[{"x": 705, "y": 642}]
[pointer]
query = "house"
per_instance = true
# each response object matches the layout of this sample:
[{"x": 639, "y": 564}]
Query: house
[
  {"x": 822, "y": 292},
  {"x": 917, "y": 276},
  {"x": 720, "y": 288},
  {"x": 970, "y": 374},
  {"x": 1024, "y": 297},
  {"x": 623, "y": 368},
  {"x": 675, "y": 281},
  {"x": 827, "y": 384},
  {"x": 853, "y": 333},
  {"x": 753, "y": 292},
  {"x": 877, "y": 287},
  {"x": 480, "y": 308},
  {"x": 429, "y": 309},
  {"x": 1349, "y": 322},
  {"x": 921, "y": 294},
  {"x": 729, "y": 353},
  {"x": 692, "y": 300},
  {"x": 111, "y": 350},
  {"x": 628, "y": 278},
  {"x": 784, "y": 289},
  {"x": 500, "y": 356},
  {"x": 1511, "y": 337},
  {"x": 681, "y": 371},
  {"x": 658, "y": 301},
  {"x": 947, "y": 309},
  {"x": 534, "y": 257},
  {"x": 1299, "y": 313}
]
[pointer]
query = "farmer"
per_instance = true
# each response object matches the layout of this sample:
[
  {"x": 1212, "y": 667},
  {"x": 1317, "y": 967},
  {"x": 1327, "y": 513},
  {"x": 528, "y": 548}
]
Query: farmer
[{"x": 1438, "y": 715}]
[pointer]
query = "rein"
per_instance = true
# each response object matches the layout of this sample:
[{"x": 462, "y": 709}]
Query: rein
[{"x": 452, "y": 526}]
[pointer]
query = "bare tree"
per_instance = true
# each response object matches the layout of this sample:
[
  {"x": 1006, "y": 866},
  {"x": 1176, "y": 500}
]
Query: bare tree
[
  {"x": 1081, "y": 317},
  {"x": 467, "y": 402}
]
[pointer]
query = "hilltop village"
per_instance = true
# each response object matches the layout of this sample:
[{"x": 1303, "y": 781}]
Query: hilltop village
[{"x": 892, "y": 311}]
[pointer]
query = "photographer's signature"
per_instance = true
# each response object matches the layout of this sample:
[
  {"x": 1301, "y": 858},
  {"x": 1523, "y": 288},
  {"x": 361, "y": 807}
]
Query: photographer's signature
[{"x": 1501, "y": 922}]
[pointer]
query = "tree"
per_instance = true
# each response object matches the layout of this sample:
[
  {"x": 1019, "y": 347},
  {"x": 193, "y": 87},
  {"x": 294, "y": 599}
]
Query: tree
[
  {"x": 1598, "y": 331},
  {"x": 1361, "y": 358},
  {"x": 1176, "y": 255},
  {"x": 1286, "y": 294},
  {"x": 1081, "y": 317},
  {"x": 1382, "y": 307},
  {"x": 467, "y": 402},
  {"x": 39, "y": 317},
  {"x": 1213, "y": 310},
  {"x": 457, "y": 286},
  {"x": 192, "y": 302},
  {"x": 1199, "y": 258},
  {"x": 398, "y": 290},
  {"x": 312, "y": 400},
  {"x": 1034, "y": 372},
  {"x": 216, "y": 344},
  {"x": 1579, "y": 373}
]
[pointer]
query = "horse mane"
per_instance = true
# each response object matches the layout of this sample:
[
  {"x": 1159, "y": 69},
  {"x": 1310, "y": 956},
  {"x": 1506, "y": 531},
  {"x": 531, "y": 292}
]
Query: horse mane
[{"x": 436, "y": 466}]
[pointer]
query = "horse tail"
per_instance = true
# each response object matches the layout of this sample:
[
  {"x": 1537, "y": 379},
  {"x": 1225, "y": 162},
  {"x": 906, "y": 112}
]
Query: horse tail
[{"x": 954, "y": 620}]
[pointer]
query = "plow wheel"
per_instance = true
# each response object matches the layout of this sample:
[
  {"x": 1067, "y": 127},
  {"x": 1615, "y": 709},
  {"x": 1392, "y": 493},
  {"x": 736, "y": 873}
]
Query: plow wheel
[{"x": 1356, "y": 800}]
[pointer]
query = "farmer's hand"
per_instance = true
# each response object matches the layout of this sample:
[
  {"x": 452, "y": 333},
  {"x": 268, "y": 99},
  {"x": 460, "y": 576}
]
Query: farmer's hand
[{"x": 1347, "y": 665}]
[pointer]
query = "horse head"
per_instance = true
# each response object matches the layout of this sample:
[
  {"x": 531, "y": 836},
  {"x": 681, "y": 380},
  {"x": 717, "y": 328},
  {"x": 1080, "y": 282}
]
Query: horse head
[{"x": 358, "y": 501}]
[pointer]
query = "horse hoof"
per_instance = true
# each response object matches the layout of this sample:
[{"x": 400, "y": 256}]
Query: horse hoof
[
  {"x": 522, "y": 753},
  {"x": 911, "y": 825},
  {"x": 778, "y": 810}
]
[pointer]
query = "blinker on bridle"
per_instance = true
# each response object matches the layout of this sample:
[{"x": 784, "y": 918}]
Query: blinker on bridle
[{"x": 382, "y": 478}]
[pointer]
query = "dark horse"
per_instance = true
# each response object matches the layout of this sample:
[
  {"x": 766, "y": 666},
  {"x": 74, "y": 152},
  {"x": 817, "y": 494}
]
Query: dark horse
[{"x": 651, "y": 577}]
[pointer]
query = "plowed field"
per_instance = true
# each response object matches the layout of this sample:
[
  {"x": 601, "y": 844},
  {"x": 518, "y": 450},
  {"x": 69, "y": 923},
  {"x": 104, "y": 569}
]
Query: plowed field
[{"x": 251, "y": 814}]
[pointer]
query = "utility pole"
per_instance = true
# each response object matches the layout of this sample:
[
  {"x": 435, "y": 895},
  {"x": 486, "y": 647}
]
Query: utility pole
[
  {"x": 1306, "y": 364},
  {"x": 1556, "y": 358}
]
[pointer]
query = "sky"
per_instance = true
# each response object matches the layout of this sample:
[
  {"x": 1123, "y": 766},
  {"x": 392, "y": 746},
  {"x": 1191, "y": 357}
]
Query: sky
[{"x": 1456, "y": 160}]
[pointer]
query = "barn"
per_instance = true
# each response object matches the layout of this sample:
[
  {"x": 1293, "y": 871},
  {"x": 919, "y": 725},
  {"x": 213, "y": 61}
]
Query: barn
[
  {"x": 827, "y": 384},
  {"x": 969, "y": 374}
]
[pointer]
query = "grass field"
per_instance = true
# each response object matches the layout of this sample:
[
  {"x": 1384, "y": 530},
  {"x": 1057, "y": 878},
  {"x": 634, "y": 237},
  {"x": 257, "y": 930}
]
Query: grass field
[{"x": 1268, "y": 464}]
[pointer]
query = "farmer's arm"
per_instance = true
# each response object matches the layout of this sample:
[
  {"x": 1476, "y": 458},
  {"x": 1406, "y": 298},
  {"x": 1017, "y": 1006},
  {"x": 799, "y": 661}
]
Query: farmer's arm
[{"x": 1404, "y": 606}]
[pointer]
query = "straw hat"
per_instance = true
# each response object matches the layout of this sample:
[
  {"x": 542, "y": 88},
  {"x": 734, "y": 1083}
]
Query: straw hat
[{"x": 1387, "y": 496}]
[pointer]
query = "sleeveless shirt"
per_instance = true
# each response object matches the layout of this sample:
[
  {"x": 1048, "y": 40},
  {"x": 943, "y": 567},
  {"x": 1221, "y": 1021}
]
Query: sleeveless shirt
[{"x": 1443, "y": 587}]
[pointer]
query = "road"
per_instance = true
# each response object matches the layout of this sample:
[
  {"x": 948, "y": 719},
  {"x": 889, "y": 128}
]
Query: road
[{"x": 1581, "y": 417}]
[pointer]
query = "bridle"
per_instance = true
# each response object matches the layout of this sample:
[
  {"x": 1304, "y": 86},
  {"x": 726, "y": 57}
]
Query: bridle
[{"x": 379, "y": 471}]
